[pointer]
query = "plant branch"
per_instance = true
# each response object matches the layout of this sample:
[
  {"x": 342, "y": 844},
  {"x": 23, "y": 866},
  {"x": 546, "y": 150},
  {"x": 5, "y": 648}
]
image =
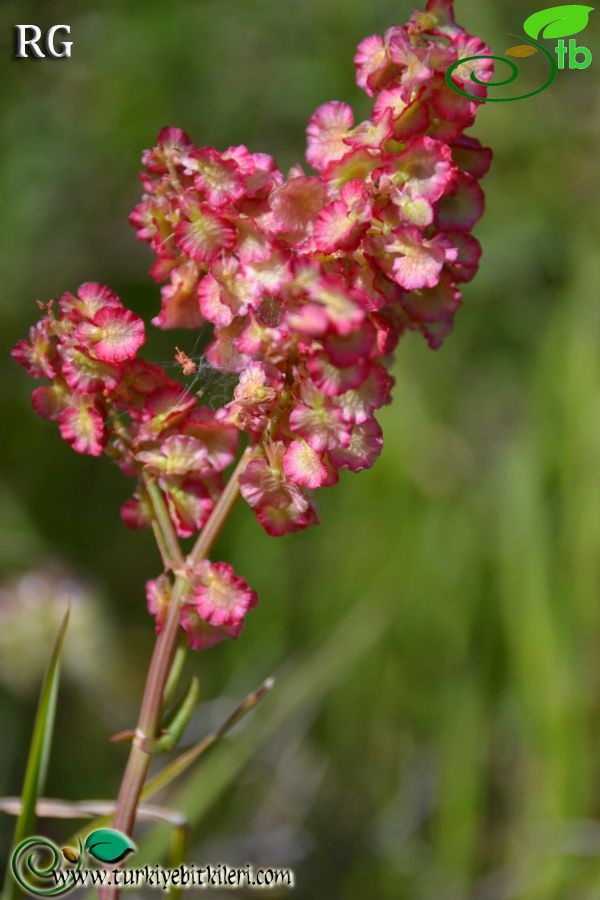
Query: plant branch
[
  {"x": 183, "y": 762},
  {"x": 164, "y": 649},
  {"x": 163, "y": 524},
  {"x": 163, "y": 549},
  {"x": 220, "y": 513},
  {"x": 179, "y": 765}
]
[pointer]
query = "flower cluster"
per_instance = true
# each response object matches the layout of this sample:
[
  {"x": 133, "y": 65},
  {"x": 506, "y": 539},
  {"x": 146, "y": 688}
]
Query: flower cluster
[
  {"x": 105, "y": 399},
  {"x": 308, "y": 281}
]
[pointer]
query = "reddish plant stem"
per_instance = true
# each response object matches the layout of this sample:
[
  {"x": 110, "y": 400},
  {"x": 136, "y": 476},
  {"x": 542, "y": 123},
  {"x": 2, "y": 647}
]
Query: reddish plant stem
[{"x": 139, "y": 760}]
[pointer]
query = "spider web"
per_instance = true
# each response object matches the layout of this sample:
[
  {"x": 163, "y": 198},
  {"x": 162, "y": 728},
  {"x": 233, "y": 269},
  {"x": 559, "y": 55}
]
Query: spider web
[{"x": 215, "y": 385}]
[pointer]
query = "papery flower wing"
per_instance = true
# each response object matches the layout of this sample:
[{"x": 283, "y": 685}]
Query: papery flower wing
[
  {"x": 200, "y": 634},
  {"x": 461, "y": 209},
  {"x": 203, "y": 232},
  {"x": 327, "y": 128},
  {"x": 471, "y": 157},
  {"x": 338, "y": 229},
  {"x": 373, "y": 66},
  {"x": 82, "y": 426},
  {"x": 50, "y": 401},
  {"x": 469, "y": 251},
  {"x": 158, "y": 595},
  {"x": 366, "y": 442},
  {"x": 333, "y": 380},
  {"x": 359, "y": 405},
  {"x": 277, "y": 520},
  {"x": 321, "y": 425},
  {"x": 189, "y": 502},
  {"x": 296, "y": 204},
  {"x": 425, "y": 169},
  {"x": 179, "y": 299},
  {"x": 84, "y": 374},
  {"x": 113, "y": 336},
  {"x": 38, "y": 355},
  {"x": 91, "y": 297},
  {"x": 417, "y": 261},
  {"x": 177, "y": 455},
  {"x": 304, "y": 466},
  {"x": 221, "y": 597},
  {"x": 219, "y": 179},
  {"x": 136, "y": 513}
]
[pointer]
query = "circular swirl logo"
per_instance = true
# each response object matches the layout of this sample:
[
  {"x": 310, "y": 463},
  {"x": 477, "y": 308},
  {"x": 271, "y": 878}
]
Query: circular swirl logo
[
  {"x": 36, "y": 860},
  {"x": 514, "y": 74}
]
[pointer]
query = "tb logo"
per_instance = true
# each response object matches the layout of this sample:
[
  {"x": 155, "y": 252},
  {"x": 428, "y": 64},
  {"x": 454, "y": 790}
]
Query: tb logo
[
  {"x": 29, "y": 37},
  {"x": 555, "y": 22}
]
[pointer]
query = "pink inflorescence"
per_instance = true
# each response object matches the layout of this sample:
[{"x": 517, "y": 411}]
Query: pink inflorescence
[{"x": 308, "y": 282}]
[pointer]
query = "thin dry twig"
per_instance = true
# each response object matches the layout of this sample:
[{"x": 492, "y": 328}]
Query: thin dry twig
[{"x": 49, "y": 808}]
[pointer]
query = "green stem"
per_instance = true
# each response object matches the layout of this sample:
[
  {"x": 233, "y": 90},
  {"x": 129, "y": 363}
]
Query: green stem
[
  {"x": 163, "y": 523},
  {"x": 163, "y": 549},
  {"x": 164, "y": 649}
]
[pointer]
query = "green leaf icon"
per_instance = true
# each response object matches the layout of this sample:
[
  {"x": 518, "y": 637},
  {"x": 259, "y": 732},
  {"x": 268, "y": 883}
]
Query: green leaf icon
[
  {"x": 108, "y": 846},
  {"x": 558, "y": 21}
]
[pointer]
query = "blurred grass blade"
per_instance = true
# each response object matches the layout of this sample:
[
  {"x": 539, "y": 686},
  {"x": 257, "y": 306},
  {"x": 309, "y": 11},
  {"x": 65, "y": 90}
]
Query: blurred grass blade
[
  {"x": 39, "y": 752},
  {"x": 177, "y": 857}
]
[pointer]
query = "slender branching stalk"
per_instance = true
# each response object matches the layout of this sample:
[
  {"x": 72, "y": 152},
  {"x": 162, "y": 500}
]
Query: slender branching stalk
[{"x": 164, "y": 650}]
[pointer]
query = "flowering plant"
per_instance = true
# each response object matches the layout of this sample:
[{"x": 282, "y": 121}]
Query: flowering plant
[{"x": 308, "y": 281}]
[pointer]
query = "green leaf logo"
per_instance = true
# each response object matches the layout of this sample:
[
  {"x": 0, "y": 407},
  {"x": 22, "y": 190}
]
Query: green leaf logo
[
  {"x": 108, "y": 846},
  {"x": 558, "y": 21}
]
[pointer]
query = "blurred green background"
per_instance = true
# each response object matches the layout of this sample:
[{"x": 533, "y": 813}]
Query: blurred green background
[{"x": 445, "y": 743}]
